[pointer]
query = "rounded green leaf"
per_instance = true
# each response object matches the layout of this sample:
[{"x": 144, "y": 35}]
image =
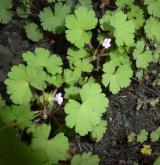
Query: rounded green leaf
[
  {"x": 84, "y": 116},
  {"x": 78, "y": 26}
]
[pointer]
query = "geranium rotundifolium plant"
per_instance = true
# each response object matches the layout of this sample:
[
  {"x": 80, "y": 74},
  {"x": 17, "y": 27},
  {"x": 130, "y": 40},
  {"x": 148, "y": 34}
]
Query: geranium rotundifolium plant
[{"x": 53, "y": 95}]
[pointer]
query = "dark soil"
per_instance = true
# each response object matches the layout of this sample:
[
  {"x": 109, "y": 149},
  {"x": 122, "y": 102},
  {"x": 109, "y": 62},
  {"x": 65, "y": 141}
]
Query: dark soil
[{"x": 123, "y": 116}]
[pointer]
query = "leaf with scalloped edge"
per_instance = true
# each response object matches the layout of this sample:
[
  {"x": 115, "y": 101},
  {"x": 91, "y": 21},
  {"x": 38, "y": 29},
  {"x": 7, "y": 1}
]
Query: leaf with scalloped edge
[
  {"x": 123, "y": 3},
  {"x": 71, "y": 92},
  {"x": 54, "y": 21},
  {"x": 2, "y": 102},
  {"x": 21, "y": 116},
  {"x": 142, "y": 136},
  {"x": 56, "y": 80},
  {"x": 85, "y": 3},
  {"x": 19, "y": 80},
  {"x": 143, "y": 57},
  {"x": 123, "y": 29},
  {"x": 137, "y": 15},
  {"x": 33, "y": 32},
  {"x": 79, "y": 59},
  {"x": 71, "y": 77},
  {"x": 5, "y": 14},
  {"x": 79, "y": 24},
  {"x": 117, "y": 72},
  {"x": 42, "y": 58},
  {"x": 56, "y": 148},
  {"x": 153, "y": 7},
  {"x": 86, "y": 115},
  {"x": 99, "y": 130},
  {"x": 151, "y": 28},
  {"x": 155, "y": 135},
  {"x": 85, "y": 159}
]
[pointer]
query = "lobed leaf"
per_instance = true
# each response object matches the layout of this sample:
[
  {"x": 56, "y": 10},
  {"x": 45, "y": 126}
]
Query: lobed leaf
[
  {"x": 54, "y": 21},
  {"x": 78, "y": 26},
  {"x": 21, "y": 116},
  {"x": 86, "y": 115},
  {"x": 85, "y": 159},
  {"x": 55, "y": 148},
  {"x": 43, "y": 58},
  {"x": 33, "y": 32},
  {"x": 5, "y": 14},
  {"x": 117, "y": 72},
  {"x": 151, "y": 28},
  {"x": 19, "y": 80}
]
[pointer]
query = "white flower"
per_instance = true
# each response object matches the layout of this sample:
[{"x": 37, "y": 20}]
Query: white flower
[
  {"x": 59, "y": 98},
  {"x": 106, "y": 43}
]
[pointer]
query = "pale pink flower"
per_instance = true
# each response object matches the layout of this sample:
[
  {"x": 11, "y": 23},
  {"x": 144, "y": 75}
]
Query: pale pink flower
[
  {"x": 59, "y": 98},
  {"x": 106, "y": 43}
]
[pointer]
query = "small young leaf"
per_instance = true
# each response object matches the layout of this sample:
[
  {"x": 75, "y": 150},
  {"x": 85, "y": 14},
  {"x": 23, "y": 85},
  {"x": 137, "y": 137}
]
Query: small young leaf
[
  {"x": 143, "y": 58},
  {"x": 33, "y": 32},
  {"x": 77, "y": 54},
  {"x": 99, "y": 130},
  {"x": 2, "y": 102},
  {"x": 71, "y": 92},
  {"x": 5, "y": 14},
  {"x": 142, "y": 136},
  {"x": 146, "y": 150},
  {"x": 105, "y": 21},
  {"x": 23, "y": 12},
  {"x": 80, "y": 60},
  {"x": 136, "y": 14},
  {"x": 157, "y": 161},
  {"x": 85, "y": 3},
  {"x": 155, "y": 135},
  {"x": 123, "y": 3},
  {"x": 132, "y": 137},
  {"x": 151, "y": 28},
  {"x": 56, "y": 80},
  {"x": 85, "y": 159},
  {"x": 71, "y": 77}
]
